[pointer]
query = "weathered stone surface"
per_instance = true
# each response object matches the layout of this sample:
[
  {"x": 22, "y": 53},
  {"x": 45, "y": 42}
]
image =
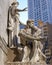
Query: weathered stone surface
[
  {"x": 3, "y": 57},
  {"x": 25, "y": 63},
  {"x": 4, "y": 5},
  {"x": 3, "y": 51}
]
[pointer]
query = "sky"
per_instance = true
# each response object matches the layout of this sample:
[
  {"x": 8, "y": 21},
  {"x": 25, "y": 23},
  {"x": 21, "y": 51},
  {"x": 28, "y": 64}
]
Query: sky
[{"x": 23, "y": 15}]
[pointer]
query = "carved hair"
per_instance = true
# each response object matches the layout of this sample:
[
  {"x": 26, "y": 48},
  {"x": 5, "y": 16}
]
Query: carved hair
[
  {"x": 29, "y": 21},
  {"x": 14, "y": 3}
]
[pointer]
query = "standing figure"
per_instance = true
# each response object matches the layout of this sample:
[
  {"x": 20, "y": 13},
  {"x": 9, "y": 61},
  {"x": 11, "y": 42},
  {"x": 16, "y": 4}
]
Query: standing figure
[{"x": 13, "y": 22}]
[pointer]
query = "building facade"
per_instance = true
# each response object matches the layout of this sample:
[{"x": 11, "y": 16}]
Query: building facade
[
  {"x": 4, "y": 6},
  {"x": 40, "y": 10}
]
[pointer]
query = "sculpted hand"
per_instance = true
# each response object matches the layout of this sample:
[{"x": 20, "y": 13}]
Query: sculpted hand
[{"x": 25, "y": 9}]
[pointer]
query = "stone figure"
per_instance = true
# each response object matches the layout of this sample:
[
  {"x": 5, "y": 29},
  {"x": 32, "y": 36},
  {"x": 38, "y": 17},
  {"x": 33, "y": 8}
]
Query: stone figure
[
  {"x": 25, "y": 35},
  {"x": 13, "y": 21},
  {"x": 37, "y": 45},
  {"x": 27, "y": 38},
  {"x": 30, "y": 38}
]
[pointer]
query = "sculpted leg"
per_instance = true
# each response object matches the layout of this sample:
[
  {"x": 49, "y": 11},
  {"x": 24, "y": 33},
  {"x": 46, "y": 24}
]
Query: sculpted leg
[
  {"x": 26, "y": 54},
  {"x": 35, "y": 57}
]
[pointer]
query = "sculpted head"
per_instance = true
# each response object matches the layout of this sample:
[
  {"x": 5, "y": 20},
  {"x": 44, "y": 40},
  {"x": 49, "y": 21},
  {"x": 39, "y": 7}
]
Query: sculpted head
[
  {"x": 15, "y": 4},
  {"x": 30, "y": 22}
]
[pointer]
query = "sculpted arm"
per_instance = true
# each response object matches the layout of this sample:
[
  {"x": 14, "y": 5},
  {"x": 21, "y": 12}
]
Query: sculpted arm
[
  {"x": 20, "y": 10},
  {"x": 23, "y": 33},
  {"x": 41, "y": 53},
  {"x": 38, "y": 30}
]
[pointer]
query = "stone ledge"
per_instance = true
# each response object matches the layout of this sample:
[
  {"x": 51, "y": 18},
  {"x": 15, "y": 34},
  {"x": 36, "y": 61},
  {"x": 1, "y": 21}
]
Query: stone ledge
[{"x": 25, "y": 63}]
